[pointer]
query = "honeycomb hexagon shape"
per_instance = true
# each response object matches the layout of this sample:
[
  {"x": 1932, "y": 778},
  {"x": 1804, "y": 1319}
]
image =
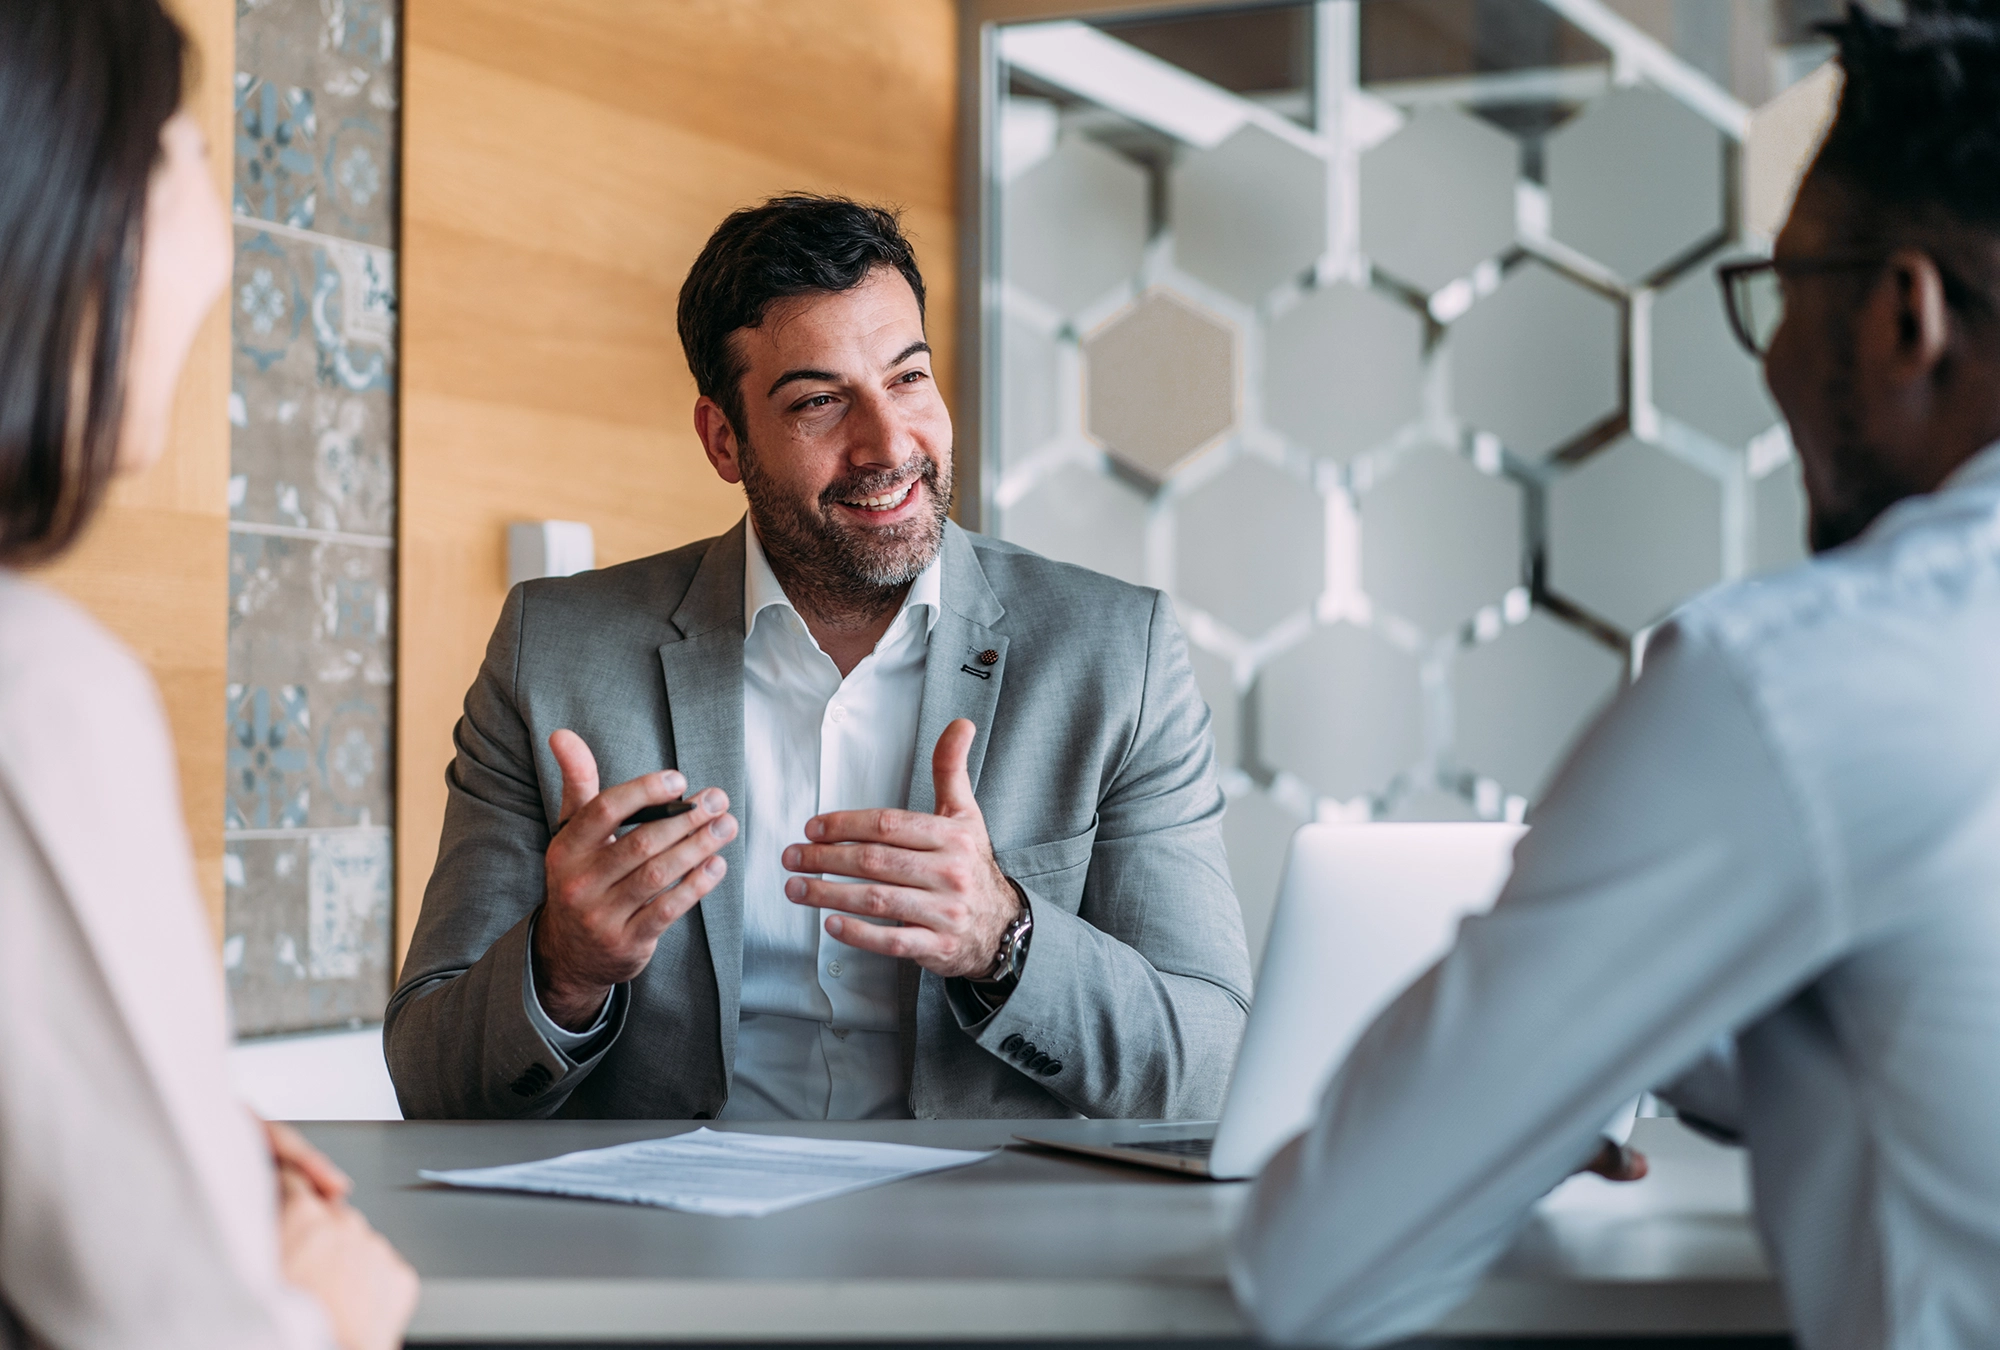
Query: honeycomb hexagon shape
[
  {"x": 1537, "y": 362},
  {"x": 1160, "y": 383},
  {"x": 1633, "y": 532},
  {"x": 1030, "y": 388},
  {"x": 1342, "y": 710},
  {"x": 1636, "y": 180},
  {"x": 1256, "y": 830},
  {"x": 1437, "y": 198},
  {"x": 1250, "y": 547},
  {"x": 1439, "y": 539},
  {"x": 1075, "y": 225},
  {"x": 1343, "y": 370},
  {"x": 1086, "y": 518},
  {"x": 1523, "y": 698},
  {"x": 1779, "y": 500},
  {"x": 1249, "y": 213},
  {"x": 1701, "y": 374}
]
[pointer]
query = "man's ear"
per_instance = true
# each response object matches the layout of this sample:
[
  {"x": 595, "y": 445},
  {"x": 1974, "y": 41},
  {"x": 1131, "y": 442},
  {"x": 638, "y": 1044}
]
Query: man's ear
[
  {"x": 1913, "y": 324},
  {"x": 718, "y": 439}
]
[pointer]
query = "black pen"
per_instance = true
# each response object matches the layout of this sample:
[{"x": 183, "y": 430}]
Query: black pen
[{"x": 663, "y": 811}]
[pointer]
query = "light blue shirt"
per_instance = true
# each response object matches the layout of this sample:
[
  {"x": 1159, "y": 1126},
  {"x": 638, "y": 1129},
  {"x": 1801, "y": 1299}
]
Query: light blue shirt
[{"x": 1785, "y": 834}]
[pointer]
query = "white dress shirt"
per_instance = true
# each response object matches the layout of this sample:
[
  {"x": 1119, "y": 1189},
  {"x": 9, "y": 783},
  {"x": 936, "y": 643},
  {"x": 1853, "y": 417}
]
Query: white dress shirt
[
  {"x": 817, "y": 1036},
  {"x": 1787, "y": 834}
]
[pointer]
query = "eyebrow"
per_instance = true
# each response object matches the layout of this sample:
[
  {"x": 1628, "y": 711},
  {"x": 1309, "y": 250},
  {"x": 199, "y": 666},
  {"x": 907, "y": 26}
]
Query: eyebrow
[{"x": 793, "y": 376}]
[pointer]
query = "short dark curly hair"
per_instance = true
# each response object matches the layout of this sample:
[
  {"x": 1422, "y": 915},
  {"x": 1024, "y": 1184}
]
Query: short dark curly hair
[
  {"x": 797, "y": 244},
  {"x": 1918, "y": 128}
]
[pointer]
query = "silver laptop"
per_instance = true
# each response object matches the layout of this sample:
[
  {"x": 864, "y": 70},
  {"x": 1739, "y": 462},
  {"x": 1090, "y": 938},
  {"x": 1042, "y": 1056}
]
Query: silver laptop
[{"x": 1363, "y": 911}]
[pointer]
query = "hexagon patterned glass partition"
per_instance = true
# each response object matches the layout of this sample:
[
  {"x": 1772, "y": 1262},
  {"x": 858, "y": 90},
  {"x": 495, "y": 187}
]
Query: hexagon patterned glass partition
[{"x": 1397, "y": 361}]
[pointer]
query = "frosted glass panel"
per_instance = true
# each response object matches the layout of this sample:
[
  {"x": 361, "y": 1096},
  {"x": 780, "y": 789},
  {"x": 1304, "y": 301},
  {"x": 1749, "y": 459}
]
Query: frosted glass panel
[
  {"x": 1345, "y": 710},
  {"x": 1440, "y": 539},
  {"x": 1249, "y": 214},
  {"x": 1537, "y": 363},
  {"x": 1344, "y": 370},
  {"x": 1160, "y": 383},
  {"x": 1632, "y": 532},
  {"x": 1251, "y": 579},
  {"x": 1437, "y": 198},
  {"x": 1392, "y": 351},
  {"x": 1636, "y": 180}
]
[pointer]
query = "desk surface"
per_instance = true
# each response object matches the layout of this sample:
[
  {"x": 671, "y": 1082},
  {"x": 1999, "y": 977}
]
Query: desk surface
[{"x": 1027, "y": 1245}]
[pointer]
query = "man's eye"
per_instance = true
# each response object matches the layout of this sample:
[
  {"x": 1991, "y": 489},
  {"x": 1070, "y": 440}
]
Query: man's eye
[
  {"x": 817, "y": 401},
  {"x": 910, "y": 377}
]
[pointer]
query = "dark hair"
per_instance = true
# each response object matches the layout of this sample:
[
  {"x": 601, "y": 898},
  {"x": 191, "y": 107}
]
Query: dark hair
[
  {"x": 85, "y": 87},
  {"x": 1918, "y": 129},
  {"x": 797, "y": 244}
]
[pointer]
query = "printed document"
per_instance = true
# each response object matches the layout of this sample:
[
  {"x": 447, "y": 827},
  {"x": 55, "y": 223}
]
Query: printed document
[{"x": 715, "y": 1172}]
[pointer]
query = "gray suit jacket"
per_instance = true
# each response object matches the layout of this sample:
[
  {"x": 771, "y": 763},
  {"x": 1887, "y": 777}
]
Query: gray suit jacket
[{"x": 1092, "y": 764}]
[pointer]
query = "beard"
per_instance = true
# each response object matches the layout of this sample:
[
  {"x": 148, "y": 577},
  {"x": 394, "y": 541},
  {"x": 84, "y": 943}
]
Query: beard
[
  {"x": 1857, "y": 486},
  {"x": 841, "y": 568}
]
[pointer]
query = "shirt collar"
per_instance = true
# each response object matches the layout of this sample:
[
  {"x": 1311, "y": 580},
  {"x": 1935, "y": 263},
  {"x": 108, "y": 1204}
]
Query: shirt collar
[
  {"x": 762, "y": 591},
  {"x": 1983, "y": 467}
]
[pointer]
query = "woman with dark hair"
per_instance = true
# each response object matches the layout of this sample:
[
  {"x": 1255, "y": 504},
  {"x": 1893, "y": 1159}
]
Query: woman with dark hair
[{"x": 140, "y": 1204}]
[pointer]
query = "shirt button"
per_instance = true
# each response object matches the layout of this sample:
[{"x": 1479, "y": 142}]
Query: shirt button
[
  {"x": 833, "y": 969},
  {"x": 840, "y": 1033},
  {"x": 838, "y": 712}
]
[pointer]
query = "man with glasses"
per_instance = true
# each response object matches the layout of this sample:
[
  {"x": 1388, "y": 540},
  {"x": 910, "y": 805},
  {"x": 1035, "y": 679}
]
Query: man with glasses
[{"x": 1769, "y": 875}]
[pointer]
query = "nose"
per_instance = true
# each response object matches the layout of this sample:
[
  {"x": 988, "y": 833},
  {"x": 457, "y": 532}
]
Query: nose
[{"x": 882, "y": 435}]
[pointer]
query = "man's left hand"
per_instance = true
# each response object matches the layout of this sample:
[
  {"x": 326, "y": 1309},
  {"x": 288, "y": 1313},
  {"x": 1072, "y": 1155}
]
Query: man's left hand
[{"x": 935, "y": 874}]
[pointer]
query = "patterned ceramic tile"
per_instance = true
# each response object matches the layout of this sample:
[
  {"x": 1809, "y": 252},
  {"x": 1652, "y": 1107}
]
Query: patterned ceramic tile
[
  {"x": 310, "y": 684},
  {"x": 311, "y": 665},
  {"x": 316, "y": 115},
  {"x": 313, "y": 388},
  {"x": 306, "y": 924}
]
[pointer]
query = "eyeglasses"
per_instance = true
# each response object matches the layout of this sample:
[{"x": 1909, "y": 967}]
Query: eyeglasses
[{"x": 1754, "y": 294}]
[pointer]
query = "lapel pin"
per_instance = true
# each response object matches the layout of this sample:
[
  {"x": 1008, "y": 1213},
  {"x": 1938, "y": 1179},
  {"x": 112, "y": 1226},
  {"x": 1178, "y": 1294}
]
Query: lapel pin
[{"x": 989, "y": 657}]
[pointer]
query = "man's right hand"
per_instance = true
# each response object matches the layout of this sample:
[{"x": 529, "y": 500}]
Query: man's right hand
[{"x": 609, "y": 899}]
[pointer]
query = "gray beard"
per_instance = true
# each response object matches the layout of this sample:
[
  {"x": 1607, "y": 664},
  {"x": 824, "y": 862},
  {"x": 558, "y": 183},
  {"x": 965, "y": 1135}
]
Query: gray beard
[{"x": 846, "y": 576}]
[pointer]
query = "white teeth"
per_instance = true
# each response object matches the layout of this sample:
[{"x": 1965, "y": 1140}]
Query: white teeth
[{"x": 887, "y": 499}]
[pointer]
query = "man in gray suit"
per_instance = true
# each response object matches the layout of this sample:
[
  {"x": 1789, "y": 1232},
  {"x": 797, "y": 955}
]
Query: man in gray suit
[{"x": 978, "y": 869}]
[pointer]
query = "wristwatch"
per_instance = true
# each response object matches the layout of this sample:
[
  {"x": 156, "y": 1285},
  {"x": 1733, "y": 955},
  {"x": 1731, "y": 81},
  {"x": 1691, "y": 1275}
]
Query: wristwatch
[{"x": 998, "y": 982}]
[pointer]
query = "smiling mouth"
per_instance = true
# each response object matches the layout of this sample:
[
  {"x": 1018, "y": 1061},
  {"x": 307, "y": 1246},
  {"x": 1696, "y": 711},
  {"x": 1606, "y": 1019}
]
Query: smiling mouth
[{"x": 887, "y": 501}]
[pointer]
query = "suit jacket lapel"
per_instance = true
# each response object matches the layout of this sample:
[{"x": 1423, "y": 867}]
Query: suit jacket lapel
[
  {"x": 704, "y": 675},
  {"x": 957, "y": 683}
]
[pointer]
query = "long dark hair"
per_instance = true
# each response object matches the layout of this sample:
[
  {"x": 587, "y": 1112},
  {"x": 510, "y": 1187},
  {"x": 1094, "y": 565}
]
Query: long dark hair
[{"x": 85, "y": 87}]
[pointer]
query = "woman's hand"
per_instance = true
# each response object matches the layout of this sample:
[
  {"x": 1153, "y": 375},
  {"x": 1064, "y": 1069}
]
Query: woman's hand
[
  {"x": 291, "y": 1152},
  {"x": 328, "y": 1250}
]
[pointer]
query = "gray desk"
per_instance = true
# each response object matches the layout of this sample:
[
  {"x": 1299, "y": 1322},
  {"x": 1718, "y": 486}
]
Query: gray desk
[{"x": 1028, "y": 1245}]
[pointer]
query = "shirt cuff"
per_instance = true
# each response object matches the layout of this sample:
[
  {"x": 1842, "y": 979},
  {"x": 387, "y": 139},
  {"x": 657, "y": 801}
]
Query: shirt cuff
[{"x": 571, "y": 1043}]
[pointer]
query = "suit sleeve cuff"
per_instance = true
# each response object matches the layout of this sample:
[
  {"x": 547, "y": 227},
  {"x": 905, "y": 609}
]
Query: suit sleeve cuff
[
  {"x": 573, "y": 1046},
  {"x": 1019, "y": 1031}
]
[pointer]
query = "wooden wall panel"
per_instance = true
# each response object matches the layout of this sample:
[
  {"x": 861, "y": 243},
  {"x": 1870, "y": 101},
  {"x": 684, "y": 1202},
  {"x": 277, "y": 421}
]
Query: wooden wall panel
[
  {"x": 563, "y": 165},
  {"x": 155, "y": 565}
]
